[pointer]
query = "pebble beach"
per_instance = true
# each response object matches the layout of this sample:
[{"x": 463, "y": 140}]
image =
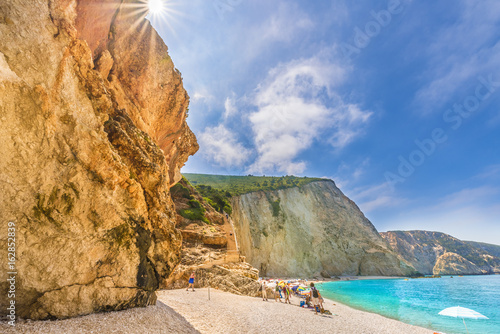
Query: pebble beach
[{"x": 181, "y": 311}]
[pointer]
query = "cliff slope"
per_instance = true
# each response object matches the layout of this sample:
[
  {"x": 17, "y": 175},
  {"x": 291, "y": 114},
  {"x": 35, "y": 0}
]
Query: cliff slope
[
  {"x": 92, "y": 135},
  {"x": 491, "y": 249},
  {"x": 310, "y": 230},
  {"x": 440, "y": 253}
]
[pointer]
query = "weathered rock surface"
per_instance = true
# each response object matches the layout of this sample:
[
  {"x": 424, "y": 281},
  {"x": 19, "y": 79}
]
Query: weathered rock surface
[
  {"x": 308, "y": 231},
  {"x": 452, "y": 263},
  {"x": 425, "y": 249},
  {"x": 92, "y": 135},
  {"x": 208, "y": 249}
]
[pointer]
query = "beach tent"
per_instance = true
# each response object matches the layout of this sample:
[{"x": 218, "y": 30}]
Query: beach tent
[{"x": 462, "y": 312}]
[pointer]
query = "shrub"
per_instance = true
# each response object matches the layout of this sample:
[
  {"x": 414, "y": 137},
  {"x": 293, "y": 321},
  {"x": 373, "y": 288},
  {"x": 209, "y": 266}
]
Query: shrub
[
  {"x": 180, "y": 191},
  {"x": 195, "y": 214}
]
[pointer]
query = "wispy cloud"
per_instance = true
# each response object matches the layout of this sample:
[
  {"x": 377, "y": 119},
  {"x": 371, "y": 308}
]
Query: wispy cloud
[
  {"x": 202, "y": 95},
  {"x": 297, "y": 104},
  {"x": 286, "y": 23},
  {"x": 475, "y": 221},
  {"x": 467, "y": 197},
  {"x": 378, "y": 196},
  {"x": 230, "y": 108},
  {"x": 220, "y": 146},
  {"x": 461, "y": 51}
]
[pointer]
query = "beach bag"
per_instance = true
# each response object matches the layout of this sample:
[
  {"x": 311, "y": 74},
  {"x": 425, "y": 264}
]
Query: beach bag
[{"x": 315, "y": 292}]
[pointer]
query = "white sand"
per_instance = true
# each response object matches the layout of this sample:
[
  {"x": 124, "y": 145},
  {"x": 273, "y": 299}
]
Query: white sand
[
  {"x": 153, "y": 319},
  {"x": 228, "y": 313},
  {"x": 179, "y": 311}
]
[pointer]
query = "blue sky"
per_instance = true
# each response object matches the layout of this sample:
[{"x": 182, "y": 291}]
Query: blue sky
[{"x": 397, "y": 101}]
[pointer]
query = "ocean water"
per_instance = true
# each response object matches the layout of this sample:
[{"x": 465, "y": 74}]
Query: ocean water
[{"x": 418, "y": 301}]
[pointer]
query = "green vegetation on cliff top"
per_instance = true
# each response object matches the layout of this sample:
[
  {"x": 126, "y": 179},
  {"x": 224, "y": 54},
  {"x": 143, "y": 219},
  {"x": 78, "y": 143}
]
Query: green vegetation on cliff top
[{"x": 239, "y": 185}]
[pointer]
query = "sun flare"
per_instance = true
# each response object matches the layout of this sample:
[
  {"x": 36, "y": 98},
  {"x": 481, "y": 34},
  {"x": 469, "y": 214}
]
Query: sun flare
[{"x": 156, "y": 7}]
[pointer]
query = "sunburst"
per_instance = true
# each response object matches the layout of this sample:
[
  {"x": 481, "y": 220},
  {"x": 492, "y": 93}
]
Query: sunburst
[{"x": 156, "y": 7}]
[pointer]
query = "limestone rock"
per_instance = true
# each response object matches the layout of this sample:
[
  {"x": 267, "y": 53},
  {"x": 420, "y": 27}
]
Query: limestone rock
[
  {"x": 92, "y": 136},
  {"x": 454, "y": 264},
  {"x": 316, "y": 231},
  {"x": 209, "y": 248}
]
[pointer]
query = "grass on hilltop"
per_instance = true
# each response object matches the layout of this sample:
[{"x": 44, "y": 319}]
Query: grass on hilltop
[{"x": 228, "y": 185}]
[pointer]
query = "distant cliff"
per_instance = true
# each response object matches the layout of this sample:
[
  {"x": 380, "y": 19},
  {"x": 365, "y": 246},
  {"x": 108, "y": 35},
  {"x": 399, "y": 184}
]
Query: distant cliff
[
  {"x": 92, "y": 135},
  {"x": 441, "y": 254},
  {"x": 310, "y": 230},
  {"x": 488, "y": 248}
]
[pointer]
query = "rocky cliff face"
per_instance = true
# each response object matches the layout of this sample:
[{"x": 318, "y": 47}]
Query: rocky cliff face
[
  {"x": 92, "y": 135},
  {"x": 452, "y": 264},
  {"x": 493, "y": 250},
  {"x": 208, "y": 247},
  {"x": 439, "y": 253},
  {"x": 311, "y": 230}
]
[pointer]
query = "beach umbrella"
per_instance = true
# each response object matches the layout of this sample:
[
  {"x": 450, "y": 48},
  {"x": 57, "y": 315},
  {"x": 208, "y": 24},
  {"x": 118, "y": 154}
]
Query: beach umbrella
[
  {"x": 272, "y": 285},
  {"x": 462, "y": 312},
  {"x": 304, "y": 292}
]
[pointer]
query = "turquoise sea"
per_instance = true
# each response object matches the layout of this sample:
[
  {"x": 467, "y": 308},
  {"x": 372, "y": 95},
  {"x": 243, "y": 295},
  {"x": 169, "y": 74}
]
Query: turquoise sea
[{"x": 418, "y": 301}]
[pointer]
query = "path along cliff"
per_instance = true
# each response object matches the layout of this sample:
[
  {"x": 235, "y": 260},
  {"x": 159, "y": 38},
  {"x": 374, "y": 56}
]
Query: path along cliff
[{"x": 92, "y": 136}]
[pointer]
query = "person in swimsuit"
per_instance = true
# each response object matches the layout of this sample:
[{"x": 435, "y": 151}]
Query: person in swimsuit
[
  {"x": 287, "y": 291},
  {"x": 277, "y": 293},
  {"x": 191, "y": 282}
]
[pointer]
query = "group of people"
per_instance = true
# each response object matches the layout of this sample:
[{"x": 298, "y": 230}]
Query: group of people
[{"x": 313, "y": 297}]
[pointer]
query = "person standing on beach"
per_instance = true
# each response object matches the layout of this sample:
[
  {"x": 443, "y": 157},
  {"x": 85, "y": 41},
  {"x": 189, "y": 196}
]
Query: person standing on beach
[
  {"x": 277, "y": 294},
  {"x": 191, "y": 282},
  {"x": 264, "y": 291},
  {"x": 286, "y": 289},
  {"x": 314, "y": 298}
]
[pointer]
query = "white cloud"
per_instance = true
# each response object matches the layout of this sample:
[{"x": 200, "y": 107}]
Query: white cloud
[
  {"x": 220, "y": 146},
  {"x": 297, "y": 104},
  {"x": 202, "y": 95},
  {"x": 230, "y": 107}
]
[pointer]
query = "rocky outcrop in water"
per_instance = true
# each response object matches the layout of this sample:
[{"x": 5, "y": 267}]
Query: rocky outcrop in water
[
  {"x": 441, "y": 254},
  {"x": 312, "y": 230},
  {"x": 92, "y": 135}
]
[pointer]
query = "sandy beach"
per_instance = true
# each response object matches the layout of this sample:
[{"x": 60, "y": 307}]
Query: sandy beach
[{"x": 180, "y": 311}]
